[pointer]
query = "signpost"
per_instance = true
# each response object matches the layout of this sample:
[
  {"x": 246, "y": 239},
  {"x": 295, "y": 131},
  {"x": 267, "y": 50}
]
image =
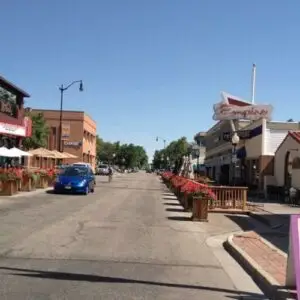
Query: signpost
[{"x": 293, "y": 263}]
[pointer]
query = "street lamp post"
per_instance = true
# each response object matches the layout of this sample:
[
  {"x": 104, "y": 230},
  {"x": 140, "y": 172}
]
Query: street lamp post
[
  {"x": 62, "y": 90},
  {"x": 162, "y": 160},
  {"x": 234, "y": 141},
  {"x": 113, "y": 158},
  {"x": 160, "y": 138}
]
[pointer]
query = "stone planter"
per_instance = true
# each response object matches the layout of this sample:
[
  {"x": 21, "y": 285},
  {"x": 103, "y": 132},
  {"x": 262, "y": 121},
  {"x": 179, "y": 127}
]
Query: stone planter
[
  {"x": 200, "y": 209},
  {"x": 9, "y": 187}
]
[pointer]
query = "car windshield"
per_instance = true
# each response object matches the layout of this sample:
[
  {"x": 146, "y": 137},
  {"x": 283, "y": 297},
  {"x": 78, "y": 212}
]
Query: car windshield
[
  {"x": 75, "y": 171},
  {"x": 103, "y": 166}
]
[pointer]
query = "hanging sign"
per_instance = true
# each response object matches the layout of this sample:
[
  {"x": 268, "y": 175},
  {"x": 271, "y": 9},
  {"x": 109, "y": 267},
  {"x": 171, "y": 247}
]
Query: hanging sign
[
  {"x": 65, "y": 131},
  {"x": 12, "y": 129}
]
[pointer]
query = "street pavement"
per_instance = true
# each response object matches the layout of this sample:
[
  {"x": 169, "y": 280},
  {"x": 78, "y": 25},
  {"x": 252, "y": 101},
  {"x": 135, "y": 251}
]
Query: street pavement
[{"x": 128, "y": 240}]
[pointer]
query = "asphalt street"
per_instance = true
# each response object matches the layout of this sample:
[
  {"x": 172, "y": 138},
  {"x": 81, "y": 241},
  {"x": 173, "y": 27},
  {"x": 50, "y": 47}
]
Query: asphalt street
[{"x": 128, "y": 240}]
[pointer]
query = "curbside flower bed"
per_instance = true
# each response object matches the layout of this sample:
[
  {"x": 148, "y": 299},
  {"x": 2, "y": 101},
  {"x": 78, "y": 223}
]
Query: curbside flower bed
[{"x": 194, "y": 196}]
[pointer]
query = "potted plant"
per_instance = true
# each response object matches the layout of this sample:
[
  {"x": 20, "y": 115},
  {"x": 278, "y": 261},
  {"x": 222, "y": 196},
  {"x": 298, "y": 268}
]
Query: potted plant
[
  {"x": 201, "y": 199},
  {"x": 43, "y": 178},
  {"x": 51, "y": 175},
  {"x": 28, "y": 180},
  {"x": 9, "y": 181}
]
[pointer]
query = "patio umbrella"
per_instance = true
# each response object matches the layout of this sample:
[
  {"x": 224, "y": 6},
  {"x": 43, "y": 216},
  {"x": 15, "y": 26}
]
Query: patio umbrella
[
  {"x": 18, "y": 152},
  {"x": 59, "y": 155},
  {"x": 6, "y": 152},
  {"x": 69, "y": 155},
  {"x": 42, "y": 152}
]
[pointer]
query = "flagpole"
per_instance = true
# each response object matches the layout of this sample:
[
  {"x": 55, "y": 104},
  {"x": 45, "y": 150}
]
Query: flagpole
[{"x": 253, "y": 83}]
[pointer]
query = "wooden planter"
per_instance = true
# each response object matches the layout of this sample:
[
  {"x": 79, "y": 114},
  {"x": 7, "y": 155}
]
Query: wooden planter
[
  {"x": 27, "y": 184},
  {"x": 185, "y": 203},
  {"x": 9, "y": 187},
  {"x": 50, "y": 181},
  {"x": 42, "y": 182},
  {"x": 200, "y": 209}
]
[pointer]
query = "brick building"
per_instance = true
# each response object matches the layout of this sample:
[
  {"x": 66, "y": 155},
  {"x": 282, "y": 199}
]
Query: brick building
[
  {"x": 78, "y": 134},
  {"x": 14, "y": 126}
]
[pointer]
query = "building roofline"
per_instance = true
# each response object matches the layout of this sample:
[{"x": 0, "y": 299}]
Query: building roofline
[
  {"x": 58, "y": 110},
  {"x": 64, "y": 111},
  {"x": 289, "y": 134},
  {"x": 14, "y": 87}
]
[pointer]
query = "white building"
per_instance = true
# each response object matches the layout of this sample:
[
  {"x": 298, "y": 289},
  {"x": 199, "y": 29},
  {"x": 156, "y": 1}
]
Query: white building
[{"x": 287, "y": 161}]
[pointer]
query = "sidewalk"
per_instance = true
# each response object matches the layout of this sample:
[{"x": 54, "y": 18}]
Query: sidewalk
[
  {"x": 264, "y": 262},
  {"x": 262, "y": 250}
]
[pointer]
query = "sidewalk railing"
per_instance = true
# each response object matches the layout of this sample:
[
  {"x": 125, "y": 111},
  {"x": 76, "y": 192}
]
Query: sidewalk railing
[{"x": 230, "y": 197}]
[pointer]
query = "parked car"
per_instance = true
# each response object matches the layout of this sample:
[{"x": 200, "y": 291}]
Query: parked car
[
  {"x": 102, "y": 170},
  {"x": 75, "y": 179}
]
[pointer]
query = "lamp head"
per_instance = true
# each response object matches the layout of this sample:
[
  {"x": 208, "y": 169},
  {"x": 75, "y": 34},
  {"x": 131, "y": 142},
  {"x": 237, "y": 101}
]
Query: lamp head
[
  {"x": 81, "y": 86},
  {"x": 235, "y": 139}
]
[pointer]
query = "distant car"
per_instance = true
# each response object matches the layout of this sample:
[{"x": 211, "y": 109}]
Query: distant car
[
  {"x": 84, "y": 164},
  {"x": 75, "y": 179},
  {"x": 102, "y": 170}
]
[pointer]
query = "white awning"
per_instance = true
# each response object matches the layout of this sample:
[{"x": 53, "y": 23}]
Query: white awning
[
  {"x": 6, "y": 152},
  {"x": 18, "y": 152}
]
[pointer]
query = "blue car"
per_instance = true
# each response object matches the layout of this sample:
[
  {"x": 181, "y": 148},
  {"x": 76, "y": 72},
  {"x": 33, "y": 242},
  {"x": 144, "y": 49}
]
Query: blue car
[{"x": 75, "y": 179}]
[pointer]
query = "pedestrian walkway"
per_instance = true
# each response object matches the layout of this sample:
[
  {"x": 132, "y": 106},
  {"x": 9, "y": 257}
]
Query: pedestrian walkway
[
  {"x": 264, "y": 262},
  {"x": 263, "y": 249}
]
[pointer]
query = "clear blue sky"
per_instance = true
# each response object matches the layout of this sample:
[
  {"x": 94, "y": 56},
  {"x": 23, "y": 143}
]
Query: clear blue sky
[{"x": 152, "y": 67}]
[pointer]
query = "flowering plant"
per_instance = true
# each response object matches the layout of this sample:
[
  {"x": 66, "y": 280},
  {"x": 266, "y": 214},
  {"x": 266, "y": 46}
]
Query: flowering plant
[
  {"x": 178, "y": 181},
  {"x": 8, "y": 174}
]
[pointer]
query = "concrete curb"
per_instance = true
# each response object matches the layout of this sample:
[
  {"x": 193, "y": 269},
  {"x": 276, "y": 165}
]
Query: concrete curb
[
  {"x": 264, "y": 280},
  {"x": 32, "y": 193}
]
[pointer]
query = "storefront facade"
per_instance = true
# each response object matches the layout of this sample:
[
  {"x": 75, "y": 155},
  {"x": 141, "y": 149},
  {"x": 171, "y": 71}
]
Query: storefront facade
[
  {"x": 255, "y": 152},
  {"x": 250, "y": 161},
  {"x": 14, "y": 126},
  {"x": 78, "y": 134}
]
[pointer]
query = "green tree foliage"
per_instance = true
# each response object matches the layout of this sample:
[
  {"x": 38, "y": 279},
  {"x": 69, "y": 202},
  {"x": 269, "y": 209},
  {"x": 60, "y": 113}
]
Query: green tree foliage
[
  {"x": 174, "y": 151},
  {"x": 127, "y": 155},
  {"x": 40, "y": 132}
]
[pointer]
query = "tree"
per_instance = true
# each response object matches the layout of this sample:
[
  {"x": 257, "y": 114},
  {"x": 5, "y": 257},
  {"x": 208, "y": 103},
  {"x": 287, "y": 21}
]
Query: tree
[
  {"x": 40, "y": 132},
  {"x": 105, "y": 150},
  {"x": 128, "y": 155},
  {"x": 174, "y": 151}
]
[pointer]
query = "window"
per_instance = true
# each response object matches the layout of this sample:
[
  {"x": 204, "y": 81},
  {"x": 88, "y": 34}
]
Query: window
[{"x": 8, "y": 103}]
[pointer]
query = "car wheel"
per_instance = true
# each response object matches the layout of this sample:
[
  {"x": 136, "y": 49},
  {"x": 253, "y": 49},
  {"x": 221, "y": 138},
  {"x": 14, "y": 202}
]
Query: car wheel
[{"x": 86, "y": 192}]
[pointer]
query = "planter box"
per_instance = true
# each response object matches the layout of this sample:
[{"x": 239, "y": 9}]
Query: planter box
[
  {"x": 42, "y": 182},
  {"x": 9, "y": 188},
  {"x": 200, "y": 209},
  {"x": 50, "y": 182},
  {"x": 185, "y": 202},
  {"x": 27, "y": 184}
]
